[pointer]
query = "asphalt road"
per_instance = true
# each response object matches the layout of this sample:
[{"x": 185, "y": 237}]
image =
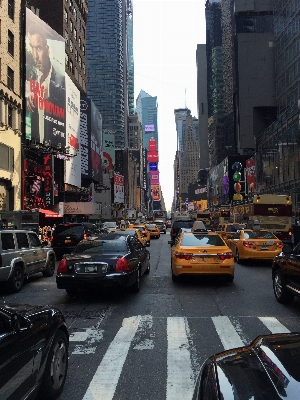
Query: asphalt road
[{"x": 151, "y": 345}]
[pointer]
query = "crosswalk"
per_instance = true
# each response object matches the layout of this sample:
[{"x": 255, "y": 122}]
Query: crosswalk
[{"x": 182, "y": 337}]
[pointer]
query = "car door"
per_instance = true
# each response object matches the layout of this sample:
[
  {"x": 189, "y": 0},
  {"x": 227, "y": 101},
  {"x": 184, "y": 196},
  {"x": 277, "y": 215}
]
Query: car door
[
  {"x": 25, "y": 252},
  {"x": 291, "y": 266},
  {"x": 16, "y": 361},
  {"x": 40, "y": 253}
]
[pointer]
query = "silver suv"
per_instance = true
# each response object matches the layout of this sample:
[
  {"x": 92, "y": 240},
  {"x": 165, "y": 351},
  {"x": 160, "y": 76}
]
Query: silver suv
[{"x": 21, "y": 255}]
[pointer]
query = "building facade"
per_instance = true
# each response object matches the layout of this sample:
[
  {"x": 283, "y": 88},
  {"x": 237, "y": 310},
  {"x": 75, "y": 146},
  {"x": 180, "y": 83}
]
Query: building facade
[{"x": 146, "y": 108}]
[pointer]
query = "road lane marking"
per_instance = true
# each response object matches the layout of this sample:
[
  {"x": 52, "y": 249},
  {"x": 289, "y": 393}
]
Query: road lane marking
[
  {"x": 227, "y": 333},
  {"x": 78, "y": 336},
  {"x": 105, "y": 380},
  {"x": 274, "y": 325},
  {"x": 180, "y": 380}
]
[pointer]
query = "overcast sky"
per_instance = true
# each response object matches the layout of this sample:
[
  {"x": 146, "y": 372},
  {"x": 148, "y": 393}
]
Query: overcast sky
[{"x": 166, "y": 34}]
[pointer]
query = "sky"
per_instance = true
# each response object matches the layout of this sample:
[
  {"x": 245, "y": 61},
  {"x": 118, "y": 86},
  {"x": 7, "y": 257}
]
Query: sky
[{"x": 165, "y": 38}]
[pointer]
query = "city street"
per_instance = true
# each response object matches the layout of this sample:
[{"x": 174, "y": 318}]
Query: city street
[{"x": 126, "y": 346}]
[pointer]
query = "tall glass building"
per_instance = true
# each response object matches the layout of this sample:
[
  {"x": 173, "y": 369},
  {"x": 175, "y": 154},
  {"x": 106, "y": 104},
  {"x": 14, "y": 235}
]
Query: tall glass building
[
  {"x": 146, "y": 108},
  {"x": 129, "y": 15},
  {"x": 107, "y": 64}
]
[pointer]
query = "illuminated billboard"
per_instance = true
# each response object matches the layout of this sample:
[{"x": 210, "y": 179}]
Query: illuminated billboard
[
  {"x": 149, "y": 128},
  {"x": 155, "y": 192},
  {"x": 154, "y": 177},
  {"x": 152, "y": 156},
  {"x": 153, "y": 166},
  {"x": 45, "y": 83},
  {"x": 118, "y": 188},
  {"x": 152, "y": 145}
]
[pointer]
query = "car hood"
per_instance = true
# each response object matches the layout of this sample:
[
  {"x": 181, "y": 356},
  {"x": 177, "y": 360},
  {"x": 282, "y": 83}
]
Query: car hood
[
  {"x": 267, "y": 369},
  {"x": 22, "y": 309}
]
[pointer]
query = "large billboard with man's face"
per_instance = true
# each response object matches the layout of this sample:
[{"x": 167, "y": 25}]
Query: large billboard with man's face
[{"x": 45, "y": 83}]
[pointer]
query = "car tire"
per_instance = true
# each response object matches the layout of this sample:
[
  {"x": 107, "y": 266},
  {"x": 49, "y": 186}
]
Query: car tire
[
  {"x": 56, "y": 368},
  {"x": 135, "y": 288},
  {"x": 16, "y": 281},
  {"x": 50, "y": 267},
  {"x": 282, "y": 295},
  {"x": 72, "y": 291}
]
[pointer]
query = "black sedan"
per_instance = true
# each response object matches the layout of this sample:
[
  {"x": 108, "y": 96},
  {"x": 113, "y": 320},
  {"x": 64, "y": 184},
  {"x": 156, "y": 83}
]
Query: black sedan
[
  {"x": 267, "y": 369},
  {"x": 110, "y": 260},
  {"x": 286, "y": 274},
  {"x": 34, "y": 343}
]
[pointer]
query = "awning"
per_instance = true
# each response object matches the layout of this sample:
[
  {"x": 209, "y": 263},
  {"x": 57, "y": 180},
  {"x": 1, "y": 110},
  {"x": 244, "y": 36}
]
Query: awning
[{"x": 50, "y": 213}]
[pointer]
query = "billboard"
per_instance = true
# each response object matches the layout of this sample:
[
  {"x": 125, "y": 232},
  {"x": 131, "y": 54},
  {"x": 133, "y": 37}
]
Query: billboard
[
  {"x": 152, "y": 145},
  {"x": 108, "y": 146},
  {"x": 90, "y": 140},
  {"x": 155, "y": 192},
  {"x": 45, "y": 83},
  {"x": 149, "y": 128},
  {"x": 144, "y": 159},
  {"x": 153, "y": 166},
  {"x": 153, "y": 156},
  {"x": 154, "y": 177},
  {"x": 118, "y": 188},
  {"x": 73, "y": 165}
]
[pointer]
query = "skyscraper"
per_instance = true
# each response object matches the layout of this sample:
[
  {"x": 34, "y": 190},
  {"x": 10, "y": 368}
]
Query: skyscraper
[
  {"x": 146, "y": 107},
  {"x": 107, "y": 64},
  {"x": 129, "y": 17}
]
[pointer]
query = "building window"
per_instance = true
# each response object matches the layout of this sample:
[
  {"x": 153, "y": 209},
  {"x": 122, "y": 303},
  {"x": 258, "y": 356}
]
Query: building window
[
  {"x": 83, "y": 49},
  {"x": 75, "y": 34},
  {"x": 83, "y": 31},
  {"x": 10, "y": 78},
  {"x": 76, "y": 54},
  {"x": 80, "y": 62},
  {"x": 79, "y": 42},
  {"x": 71, "y": 66},
  {"x": 83, "y": 68},
  {"x": 11, "y": 9},
  {"x": 66, "y": 16},
  {"x": 11, "y": 41},
  {"x": 6, "y": 157},
  {"x": 67, "y": 59},
  {"x": 71, "y": 26},
  {"x": 75, "y": 14},
  {"x": 10, "y": 116},
  {"x": 66, "y": 37},
  {"x": 71, "y": 46}
]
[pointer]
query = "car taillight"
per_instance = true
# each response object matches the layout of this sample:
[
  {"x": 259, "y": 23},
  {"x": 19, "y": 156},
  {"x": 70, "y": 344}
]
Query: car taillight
[
  {"x": 85, "y": 235},
  {"x": 122, "y": 264},
  {"x": 183, "y": 256},
  {"x": 248, "y": 244},
  {"x": 225, "y": 256},
  {"x": 290, "y": 232},
  {"x": 171, "y": 231},
  {"x": 62, "y": 267},
  {"x": 279, "y": 245},
  {"x": 144, "y": 233},
  {"x": 51, "y": 240}
]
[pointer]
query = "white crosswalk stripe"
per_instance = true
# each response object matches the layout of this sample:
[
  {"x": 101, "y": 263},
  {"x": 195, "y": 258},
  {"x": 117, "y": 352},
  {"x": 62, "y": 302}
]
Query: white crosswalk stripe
[{"x": 136, "y": 333}]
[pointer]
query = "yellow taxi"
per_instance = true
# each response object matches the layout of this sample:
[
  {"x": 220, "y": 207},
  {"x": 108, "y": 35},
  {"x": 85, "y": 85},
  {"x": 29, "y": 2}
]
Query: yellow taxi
[
  {"x": 256, "y": 245},
  {"x": 201, "y": 253},
  {"x": 154, "y": 230},
  {"x": 144, "y": 232},
  {"x": 130, "y": 231},
  {"x": 227, "y": 230}
]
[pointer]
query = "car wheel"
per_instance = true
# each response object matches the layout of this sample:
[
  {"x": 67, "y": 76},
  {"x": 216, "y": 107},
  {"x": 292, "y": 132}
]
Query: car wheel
[
  {"x": 50, "y": 267},
  {"x": 72, "y": 291},
  {"x": 16, "y": 281},
  {"x": 136, "y": 286},
  {"x": 281, "y": 293},
  {"x": 56, "y": 368}
]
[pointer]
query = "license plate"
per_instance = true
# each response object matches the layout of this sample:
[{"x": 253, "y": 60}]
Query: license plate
[
  {"x": 90, "y": 268},
  {"x": 68, "y": 241},
  {"x": 264, "y": 247}
]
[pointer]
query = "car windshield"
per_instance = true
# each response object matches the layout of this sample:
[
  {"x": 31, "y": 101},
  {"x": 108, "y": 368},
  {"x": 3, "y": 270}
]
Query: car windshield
[
  {"x": 234, "y": 228},
  {"x": 259, "y": 235},
  {"x": 62, "y": 230},
  {"x": 101, "y": 246},
  {"x": 201, "y": 240},
  {"x": 151, "y": 226}
]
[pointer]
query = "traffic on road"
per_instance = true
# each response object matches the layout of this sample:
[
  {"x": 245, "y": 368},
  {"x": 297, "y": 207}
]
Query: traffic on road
[{"x": 182, "y": 328}]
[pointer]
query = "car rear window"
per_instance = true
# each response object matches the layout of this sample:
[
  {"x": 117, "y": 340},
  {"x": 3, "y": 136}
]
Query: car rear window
[
  {"x": 201, "y": 240},
  {"x": 63, "y": 230},
  {"x": 260, "y": 235},
  {"x": 151, "y": 226},
  {"x": 183, "y": 224},
  {"x": 125, "y": 232},
  {"x": 101, "y": 246}
]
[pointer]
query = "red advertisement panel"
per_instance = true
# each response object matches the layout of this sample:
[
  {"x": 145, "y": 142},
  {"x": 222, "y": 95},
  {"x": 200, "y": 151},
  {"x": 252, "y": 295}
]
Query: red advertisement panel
[
  {"x": 250, "y": 171},
  {"x": 152, "y": 156},
  {"x": 152, "y": 145}
]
